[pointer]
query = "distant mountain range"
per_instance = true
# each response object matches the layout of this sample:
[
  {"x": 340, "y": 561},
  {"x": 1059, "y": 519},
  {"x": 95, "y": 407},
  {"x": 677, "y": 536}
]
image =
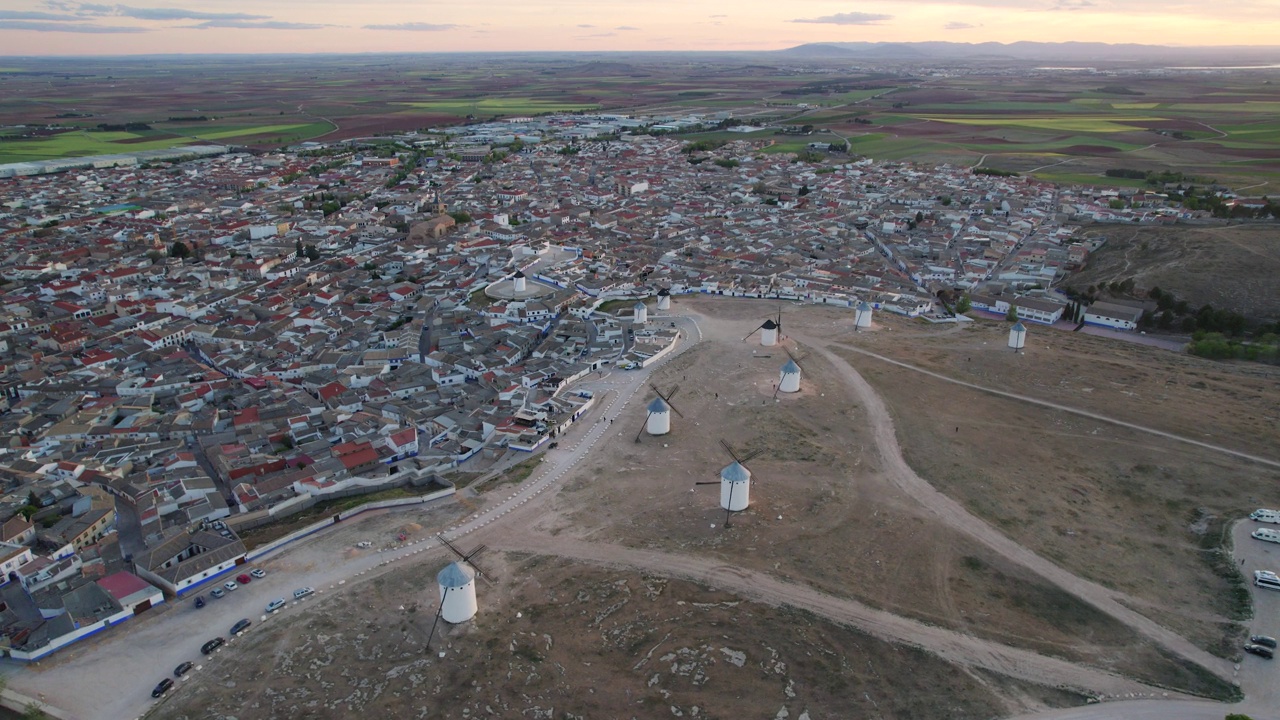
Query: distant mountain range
[{"x": 1076, "y": 52}]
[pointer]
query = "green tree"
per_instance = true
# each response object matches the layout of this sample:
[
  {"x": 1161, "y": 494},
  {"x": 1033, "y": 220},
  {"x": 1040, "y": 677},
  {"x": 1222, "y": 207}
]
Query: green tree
[
  {"x": 179, "y": 250},
  {"x": 311, "y": 252},
  {"x": 154, "y": 256},
  {"x": 963, "y": 304},
  {"x": 34, "y": 711},
  {"x": 1012, "y": 315}
]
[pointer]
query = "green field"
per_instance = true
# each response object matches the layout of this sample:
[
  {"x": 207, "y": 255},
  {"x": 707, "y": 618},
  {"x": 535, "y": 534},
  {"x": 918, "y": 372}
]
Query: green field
[
  {"x": 498, "y": 106},
  {"x": 1069, "y": 178},
  {"x": 82, "y": 143}
]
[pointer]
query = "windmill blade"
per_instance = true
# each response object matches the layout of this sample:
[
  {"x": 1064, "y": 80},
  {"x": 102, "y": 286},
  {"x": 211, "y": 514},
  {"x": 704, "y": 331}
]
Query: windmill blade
[
  {"x": 456, "y": 551},
  {"x": 776, "y": 390},
  {"x": 753, "y": 332},
  {"x": 707, "y": 482},
  {"x": 474, "y": 552},
  {"x": 674, "y": 409},
  {"x": 642, "y": 427},
  {"x": 749, "y": 456},
  {"x": 729, "y": 450},
  {"x": 439, "y": 612}
]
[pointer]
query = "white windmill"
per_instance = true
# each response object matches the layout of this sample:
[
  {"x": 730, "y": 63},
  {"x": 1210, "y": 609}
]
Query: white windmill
[
  {"x": 664, "y": 299},
  {"x": 862, "y": 316},
  {"x": 789, "y": 380},
  {"x": 658, "y": 421},
  {"x": 521, "y": 283},
  {"x": 735, "y": 482},
  {"x": 769, "y": 331},
  {"x": 1017, "y": 336},
  {"x": 640, "y": 313},
  {"x": 457, "y": 583}
]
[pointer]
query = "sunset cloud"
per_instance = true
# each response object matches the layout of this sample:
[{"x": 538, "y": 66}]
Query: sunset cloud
[{"x": 849, "y": 18}]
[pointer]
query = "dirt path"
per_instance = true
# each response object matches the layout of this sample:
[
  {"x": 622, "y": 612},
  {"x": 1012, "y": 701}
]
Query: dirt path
[
  {"x": 1045, "y": 403},
  {"x": 947, "y": 644},
  {"x": 956, "y": 516}
]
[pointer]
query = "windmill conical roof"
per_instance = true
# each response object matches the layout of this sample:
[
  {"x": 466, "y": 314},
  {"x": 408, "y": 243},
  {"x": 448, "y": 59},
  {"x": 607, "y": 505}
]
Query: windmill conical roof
[
  {"x": 658, "y": 406},
  {"x": 455, "y": 575},
  {"x": 735, "y": 472},
  {"x": 790, "y": 368},
  {"x": 520, "y": 273},
  {"x": 1019, "y": 327},
  {"x": 638, "y": 305},
  {"x": 863, "y": 306},
  {"x": 770, "y": 324},
  {"x": 664, "y": 291}
]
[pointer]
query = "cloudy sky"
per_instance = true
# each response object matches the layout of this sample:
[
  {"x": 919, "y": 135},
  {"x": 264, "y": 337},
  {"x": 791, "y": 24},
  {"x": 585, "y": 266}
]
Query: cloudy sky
[{"x": 66, "y": 27}]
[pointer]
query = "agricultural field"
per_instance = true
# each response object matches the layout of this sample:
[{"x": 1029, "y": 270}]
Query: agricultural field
[{"x": 1061, "y": 127}]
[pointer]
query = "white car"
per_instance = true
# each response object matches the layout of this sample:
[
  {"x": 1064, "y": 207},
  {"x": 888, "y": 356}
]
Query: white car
[
  {"x": 302, "y": 592},
  {"x": 230, "y": 585},
  {"x": 1266, "y": 579},
  {"x": 1266, "y": 534},
  {"x": 1265, "y": 515},
  {"x": 364, "y": 544},
  {"x": 275, "y": 605},
  {"x": 258, "y": 573}
]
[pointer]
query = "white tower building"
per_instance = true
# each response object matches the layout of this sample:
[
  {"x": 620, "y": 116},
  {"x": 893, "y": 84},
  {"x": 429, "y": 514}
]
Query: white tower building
[
  {"x": 1017, "y": 336},
  {"x": 790, "y": 380},
  {"x": 769, "y": 333},
  {"x": 659, "y": 422},
  {"x": 735, "y": 487},
  {"x": 521, "y": 283},
  {"x": 664, "y": 299},
  {"x": 641, "y": 313},
  {"x": 862, "y": 316},
  {"x": 457, "y": 593}
]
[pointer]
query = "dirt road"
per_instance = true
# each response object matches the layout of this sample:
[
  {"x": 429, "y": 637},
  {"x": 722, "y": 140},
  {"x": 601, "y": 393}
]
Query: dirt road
[
  {"x": 947, "y": 644},
  {"x": 954, "y": 515}
]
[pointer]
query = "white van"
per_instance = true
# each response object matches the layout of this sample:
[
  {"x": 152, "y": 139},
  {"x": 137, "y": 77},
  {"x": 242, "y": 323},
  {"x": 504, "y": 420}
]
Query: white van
[
  {"x": 302, "y": 592},
  {"x": 1266, "y": 534},
  {"x": 1266, "y": 579},
  {"x": 1265, "y": 515}
]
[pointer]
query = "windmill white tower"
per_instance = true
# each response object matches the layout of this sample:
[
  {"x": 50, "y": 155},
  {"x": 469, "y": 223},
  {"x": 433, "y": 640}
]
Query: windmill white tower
[
  {"x": 457, "y": 582},
  {"x": 641, "y": 313},
  {"x": 664, "y": 299},
  {"x": 457, "y": 593},
  {"x": 790, "y": 380},
  {"x": 521, "y": 285},
  {"x": 862, "y": 316},
  {"x": 1017, "y": 336},
  {"x": 735, "y": 482},
  {"x": 769, "y": 330},
  {"x": 659, "y": 420}
]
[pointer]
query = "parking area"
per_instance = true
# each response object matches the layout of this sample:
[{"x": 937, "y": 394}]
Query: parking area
[{"x": 1259, "y": 678}]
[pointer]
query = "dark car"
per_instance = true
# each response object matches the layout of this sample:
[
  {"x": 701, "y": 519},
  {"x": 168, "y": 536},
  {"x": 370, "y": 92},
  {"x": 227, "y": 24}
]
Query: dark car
[
  {"x": 182, "y": 669},
  {"x": 239, "y": 626},
  {"x": 212, "y": 645},
  {"x": 1259, "y": 650},
  {"x": 199, "y": 601},
  {"x": 162, "y": 688},
  {"x": 1263, "y": 640}
]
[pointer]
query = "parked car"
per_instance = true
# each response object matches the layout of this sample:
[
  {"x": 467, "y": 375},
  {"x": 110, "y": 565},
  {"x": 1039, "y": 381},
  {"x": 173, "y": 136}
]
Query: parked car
[
  {"x": 162, "y": 688},
  {"x": 241, "y": 625},
  {"x": 302, "y": 592},
  {"x": 258, "y": 573},
  {"x": 216, "y": 593},
  {"x": 364, "y": 544},
  {"x": 1260, "y": 651},
  {"x": 182, "y": 669},
  {"x": 243, "y": 578},
  {"x": 1263, "y": 640},
  {"x": 230, "y": 585},
  {"x": 1266, "y": 579},
  {"x": 275, "y": 605},
  {"x": 1265, "y": 515},
  {"x": 1266, "y": 534},
  {"x": 199, "y": 601},
  {"x": 212, "y": 645}
]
